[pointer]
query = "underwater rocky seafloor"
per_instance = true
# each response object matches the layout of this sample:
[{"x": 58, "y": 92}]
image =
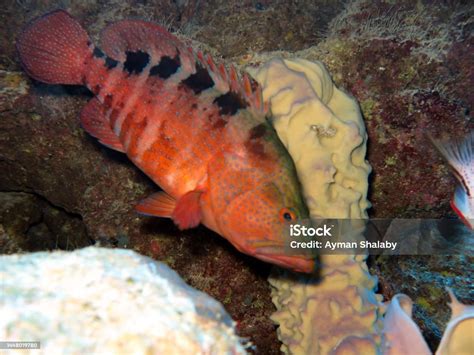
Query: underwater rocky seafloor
[{"x": 410, "y": 66}]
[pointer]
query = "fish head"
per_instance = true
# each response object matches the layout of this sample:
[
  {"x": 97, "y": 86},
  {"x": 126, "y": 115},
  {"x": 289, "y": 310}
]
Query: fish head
[
  {"x": 258, "y": 221},
  {"x": 261, "y": 203}
]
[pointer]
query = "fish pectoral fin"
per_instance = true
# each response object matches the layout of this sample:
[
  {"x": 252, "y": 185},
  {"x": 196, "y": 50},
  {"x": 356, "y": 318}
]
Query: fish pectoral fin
[
  {"x": 95, "y": 122},
  {"x": 187, "y": 213},
  {"x": 159, "y": 204}
]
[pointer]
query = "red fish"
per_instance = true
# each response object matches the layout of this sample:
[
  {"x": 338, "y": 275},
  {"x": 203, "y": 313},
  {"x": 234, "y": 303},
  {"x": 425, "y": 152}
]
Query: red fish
[{"x": 197, "y": 130}]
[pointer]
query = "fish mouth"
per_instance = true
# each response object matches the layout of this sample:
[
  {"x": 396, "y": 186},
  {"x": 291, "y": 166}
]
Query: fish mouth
[
  {"x": 295, "y": 263},
  {"x": 278, "y": 255}
]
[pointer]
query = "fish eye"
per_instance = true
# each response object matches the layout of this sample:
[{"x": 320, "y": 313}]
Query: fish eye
[{"x": 286, "y": 214}]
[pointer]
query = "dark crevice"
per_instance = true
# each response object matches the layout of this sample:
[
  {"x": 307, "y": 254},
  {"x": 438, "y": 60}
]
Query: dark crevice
[{"x": 30, "y": 222}]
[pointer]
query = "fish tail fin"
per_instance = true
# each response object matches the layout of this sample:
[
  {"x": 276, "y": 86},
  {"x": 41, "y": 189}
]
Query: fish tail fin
[{"x": 53, "y": 49}]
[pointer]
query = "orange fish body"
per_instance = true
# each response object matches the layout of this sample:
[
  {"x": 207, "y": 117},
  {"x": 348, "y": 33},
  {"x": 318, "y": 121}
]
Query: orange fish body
[{"x": 194, "y": 128}]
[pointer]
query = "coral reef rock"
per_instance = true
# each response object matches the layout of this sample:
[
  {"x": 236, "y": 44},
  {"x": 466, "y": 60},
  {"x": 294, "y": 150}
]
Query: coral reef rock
[
  {"x": 98, "y": 300},
  {"x": 30, "y": 223}
]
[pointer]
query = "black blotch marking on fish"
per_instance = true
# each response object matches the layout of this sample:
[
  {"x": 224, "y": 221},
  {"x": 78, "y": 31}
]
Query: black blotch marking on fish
[
  {"x": 194, "y": 106},
  {"x": 258, "y": 131},
  {"x": 110, "y": 63},
  {"x": 199, "y": 81},
  {"x": 230, "y": 103},
  {"x": 254, "y": 143},
  {"x": 136, "y": 61},
  {"x": 167, "y": 67},
  {"x": 98, "y": 53}
]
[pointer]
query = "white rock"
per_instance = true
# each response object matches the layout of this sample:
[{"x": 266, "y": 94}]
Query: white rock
[{"x": 97, "y": 300}]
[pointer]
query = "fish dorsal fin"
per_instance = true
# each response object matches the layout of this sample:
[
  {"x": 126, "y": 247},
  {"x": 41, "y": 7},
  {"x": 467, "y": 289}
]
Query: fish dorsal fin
[
  {"x": 95, "y": 122},
  {"x": 134, "y": 35},
  {"x": 185, "y": 212},
  {"x": 227, "y": 80}
]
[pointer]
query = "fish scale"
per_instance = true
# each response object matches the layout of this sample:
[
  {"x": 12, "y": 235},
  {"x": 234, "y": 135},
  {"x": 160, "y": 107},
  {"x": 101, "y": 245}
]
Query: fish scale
[{"x": 194, "y": 127}]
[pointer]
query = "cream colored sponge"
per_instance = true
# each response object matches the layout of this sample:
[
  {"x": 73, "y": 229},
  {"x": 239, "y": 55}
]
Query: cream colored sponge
[{"x": 323, "y": 130}]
